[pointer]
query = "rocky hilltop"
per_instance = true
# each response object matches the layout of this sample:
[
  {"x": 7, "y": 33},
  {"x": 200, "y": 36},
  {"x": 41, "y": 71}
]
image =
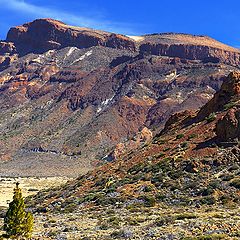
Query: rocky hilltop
[
  {"x": 73, "y": 98},
  {"x": 190, "y": 47},
  {"x": 42, "y": 35}
]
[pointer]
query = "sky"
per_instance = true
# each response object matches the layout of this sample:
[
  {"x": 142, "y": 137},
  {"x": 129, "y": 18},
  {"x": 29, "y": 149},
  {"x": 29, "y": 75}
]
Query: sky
[{"x": 218, "y": 19}]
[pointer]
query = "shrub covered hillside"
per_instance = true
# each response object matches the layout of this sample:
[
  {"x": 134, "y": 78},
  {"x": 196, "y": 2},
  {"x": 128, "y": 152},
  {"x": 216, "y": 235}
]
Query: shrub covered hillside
[{"x": 190, "y": 172}]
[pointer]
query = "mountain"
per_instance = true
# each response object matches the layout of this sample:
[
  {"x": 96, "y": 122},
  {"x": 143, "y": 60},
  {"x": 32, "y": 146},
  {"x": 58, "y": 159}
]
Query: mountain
[
  {"x": 42, "y": 35},
  {"x": 73, "y": 98},
  {"x": 182, "y": 184}
]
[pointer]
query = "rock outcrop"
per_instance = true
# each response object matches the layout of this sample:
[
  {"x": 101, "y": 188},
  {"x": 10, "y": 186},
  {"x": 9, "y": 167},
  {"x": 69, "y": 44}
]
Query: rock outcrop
[
  {"x": 190, "y": 47},
  {"x": 229, "y": 92},
  {"x": 8, "y": 54},
  {"x": 177, "y": 118},
  {"x": 42, "y": 35},
  {"x": 7, "y": 48},
  {"x": 228, "y": 127}
]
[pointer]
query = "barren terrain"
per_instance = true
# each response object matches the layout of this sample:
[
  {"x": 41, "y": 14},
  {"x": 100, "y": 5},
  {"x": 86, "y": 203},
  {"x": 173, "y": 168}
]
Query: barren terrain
[{"x": 29, "y": 185}]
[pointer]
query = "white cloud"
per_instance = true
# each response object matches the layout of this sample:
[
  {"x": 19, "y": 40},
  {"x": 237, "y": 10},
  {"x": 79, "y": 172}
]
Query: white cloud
[{"x": 45, "y": 12}]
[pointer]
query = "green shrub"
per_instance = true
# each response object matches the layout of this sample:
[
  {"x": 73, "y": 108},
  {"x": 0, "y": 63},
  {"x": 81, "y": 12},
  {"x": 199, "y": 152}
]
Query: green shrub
[
  {"x": 185, "y": 216},
  {"x": 134, "y": 221},
  {"x": 70, "y": 208},
  {"x": 157, "y": 179},
  {"x": 159, "y": 141},
  {"x": 184, "y": 145},
  {"x": 211, "y": 117},
  {"x": 207, "y": 191},
  {"x": 114, "y": 221},
  {"x": 209, "y": 200},
  {"x": 229, "y": 105},
  {"x": 161, "y": 197},
  {"x": 134, "y": 207},
  {"x": 166, "y": 149},
  {"x": 148, "y": 188},
  {"x": 192, "y": 136},
  {"x": 136, "y": 168},
  {"x": 149, "y": 201},
  {"x": 179, "y": 136},
  {"x": 164, "y": 220},
  {"x": 159, "y": 155}
]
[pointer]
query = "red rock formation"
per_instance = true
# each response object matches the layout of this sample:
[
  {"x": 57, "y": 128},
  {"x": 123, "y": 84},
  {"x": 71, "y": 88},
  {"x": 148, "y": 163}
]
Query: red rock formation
[
  {"x": 228, "y": 127},
  {"x": 44, "y": 34},
  {"x": 142, "y": 137},
  {"x": 230, "y": 91},
  {"x": 190, "y": 47},
  {"x": 178, "y": 118},
  {"x": 86, "y": 101}
]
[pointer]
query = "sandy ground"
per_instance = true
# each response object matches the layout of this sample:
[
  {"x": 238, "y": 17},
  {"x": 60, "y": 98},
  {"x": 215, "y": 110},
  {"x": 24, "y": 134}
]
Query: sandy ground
[{"x": 29, "y": 186}]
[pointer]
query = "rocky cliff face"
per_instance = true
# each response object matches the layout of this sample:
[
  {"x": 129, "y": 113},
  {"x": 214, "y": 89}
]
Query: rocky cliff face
[
  {"x": 190, "y": 47},
  {"x": 79, "y": 92},
  {"x": 45, "y": 34},
  {"x": 42, "y": 35},
  {"x": 229, "y": 93},
  {"x": 228, "y": 127}
]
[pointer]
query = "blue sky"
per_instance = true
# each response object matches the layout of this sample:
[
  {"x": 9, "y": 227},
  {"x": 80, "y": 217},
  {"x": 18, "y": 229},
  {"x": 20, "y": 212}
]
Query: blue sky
[{"x": 218, "y": 19}]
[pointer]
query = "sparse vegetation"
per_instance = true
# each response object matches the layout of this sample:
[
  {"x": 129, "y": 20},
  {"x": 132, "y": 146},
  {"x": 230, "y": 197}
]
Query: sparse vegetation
[
  {"x": 229, "y": 106},
  {"x": 211, "y": 117},
  {"x": 179, "y": 136},
  {"x": 193, "y": 135}
]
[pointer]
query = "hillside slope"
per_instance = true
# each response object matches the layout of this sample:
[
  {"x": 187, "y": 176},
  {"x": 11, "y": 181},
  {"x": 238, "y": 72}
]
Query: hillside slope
[
  {"x": 184, "y": 184},
  {"x": 71, "y": 96}
]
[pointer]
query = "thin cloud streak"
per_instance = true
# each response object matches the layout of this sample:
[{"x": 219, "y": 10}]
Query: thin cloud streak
[{"x": 44, "y": 12}]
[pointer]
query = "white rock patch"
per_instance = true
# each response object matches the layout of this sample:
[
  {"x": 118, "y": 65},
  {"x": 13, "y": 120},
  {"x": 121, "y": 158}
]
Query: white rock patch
[
  {"x": 104, "y": 104},
  {"x": 70, "y": 51},
  {"x": 87, "y": 54}
]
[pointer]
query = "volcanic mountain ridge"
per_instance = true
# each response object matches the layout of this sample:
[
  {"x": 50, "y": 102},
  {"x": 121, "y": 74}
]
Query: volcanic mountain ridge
[{"x": 72, "y": 96}]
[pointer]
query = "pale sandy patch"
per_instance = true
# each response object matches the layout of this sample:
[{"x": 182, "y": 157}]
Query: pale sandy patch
[{"x": 29, "y": 186}]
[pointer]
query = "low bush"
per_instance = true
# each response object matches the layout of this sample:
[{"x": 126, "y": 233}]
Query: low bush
[
  {"x": 211, "y": 117},
  {"x": 179, "y": 136},
  {"x": 229, "y": 105},
  {"x": 149, "y": 201},
  {"x": 164, "y": 220},
  {"x": 183, "y": 216}
]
